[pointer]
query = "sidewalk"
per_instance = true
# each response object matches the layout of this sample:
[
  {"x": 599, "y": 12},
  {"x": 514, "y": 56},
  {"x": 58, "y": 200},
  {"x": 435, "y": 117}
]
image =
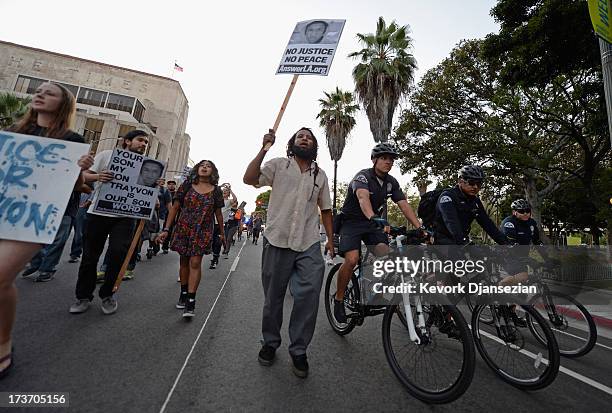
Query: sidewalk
[{"x": 598, "y": 301}]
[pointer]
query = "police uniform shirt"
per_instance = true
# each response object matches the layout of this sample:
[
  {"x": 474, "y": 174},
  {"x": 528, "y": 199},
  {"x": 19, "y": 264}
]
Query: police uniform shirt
[
  {"x": 379, "y": 188},
  {"x": 521, "y": 232}
]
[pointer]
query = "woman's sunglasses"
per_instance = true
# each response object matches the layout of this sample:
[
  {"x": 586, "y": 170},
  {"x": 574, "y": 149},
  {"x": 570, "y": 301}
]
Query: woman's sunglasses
[{"x": 524, "y": 211}]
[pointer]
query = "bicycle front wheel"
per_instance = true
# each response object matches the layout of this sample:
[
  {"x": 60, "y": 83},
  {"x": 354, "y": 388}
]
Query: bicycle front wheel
[
  {"x": 485, "y": 316},
  {"x": 512, "y": 352},
  {"x": 352, "y": 301},
  {"x": 570, "y": 321},
  {"x": 440, "y": 368}
]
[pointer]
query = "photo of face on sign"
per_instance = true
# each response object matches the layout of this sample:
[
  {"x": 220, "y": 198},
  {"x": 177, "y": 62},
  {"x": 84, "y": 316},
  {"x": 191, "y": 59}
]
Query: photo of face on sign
[
  {"x": 150, "y": 172},
  {"x": 317, "y": 32}
]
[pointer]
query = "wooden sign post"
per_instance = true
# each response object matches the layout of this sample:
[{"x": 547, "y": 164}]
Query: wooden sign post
[
  {"x": 126, "y": 261},
  {"x": 283, "y": 107}
]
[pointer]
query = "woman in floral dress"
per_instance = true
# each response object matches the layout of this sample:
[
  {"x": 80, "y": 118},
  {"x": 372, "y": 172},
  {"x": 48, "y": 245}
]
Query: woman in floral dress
[{"x": 199, "y": 200}]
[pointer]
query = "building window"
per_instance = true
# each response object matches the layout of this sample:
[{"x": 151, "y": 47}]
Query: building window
[
  {"x": 120, "y": 102},
  {"x": 139, "y": 111},
  {"x": 124, "y": 129},
  {"x": 26, "y": 84},
  {"x": 72, "y": 88},
  {"x": 92, "y": 132},
  {"x": 92, "y": 97}
]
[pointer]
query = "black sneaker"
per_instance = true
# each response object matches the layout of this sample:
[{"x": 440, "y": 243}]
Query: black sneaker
[
  {"x": 213, "y": 264},
  {"x": 300, "y": 365},
  {"x": 181, "y": 302},
  {"x": 339, "y": 313},
  {"x": 28, "y": 271},
  {"x": 44, "y": 276},
  {"x": 189, "y": 311},
  {"x": 266, "y": 355}
]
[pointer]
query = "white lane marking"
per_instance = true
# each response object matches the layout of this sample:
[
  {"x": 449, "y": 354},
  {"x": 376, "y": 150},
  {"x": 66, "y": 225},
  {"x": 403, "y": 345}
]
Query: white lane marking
[
  {"x": 581, "y": 338},
  {"x": 178, "y": 378},
  {"x": 565, "y": 370},
  {"x": 235, "y": 263}
]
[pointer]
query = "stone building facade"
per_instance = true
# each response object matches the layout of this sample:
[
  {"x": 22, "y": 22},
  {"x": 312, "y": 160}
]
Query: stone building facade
[{"x": 111, "y": 100}]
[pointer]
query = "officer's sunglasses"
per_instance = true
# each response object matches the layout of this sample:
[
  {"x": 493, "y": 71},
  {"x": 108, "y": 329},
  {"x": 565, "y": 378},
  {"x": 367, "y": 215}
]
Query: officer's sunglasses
[
  {"x": 473, "y": 182},
  {"x": 524, "y": 211}
]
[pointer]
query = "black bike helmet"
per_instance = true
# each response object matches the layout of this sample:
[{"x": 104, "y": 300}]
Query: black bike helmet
[
  {"x": 520, "y": 204},
  {"x": 383, "y": 148},
  {"x": 471, "y": 172}
]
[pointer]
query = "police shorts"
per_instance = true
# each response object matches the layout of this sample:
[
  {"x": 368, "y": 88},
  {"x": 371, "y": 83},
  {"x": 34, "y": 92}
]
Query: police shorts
[{"x": 353, "y": 232}]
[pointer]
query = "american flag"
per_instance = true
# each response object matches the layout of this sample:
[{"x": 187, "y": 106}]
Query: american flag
[{"x": 177, "y": 67}]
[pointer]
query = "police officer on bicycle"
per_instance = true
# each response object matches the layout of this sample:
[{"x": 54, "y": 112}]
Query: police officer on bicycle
[
  {"x": 520, "y": 229},
  {"x": 361, "y": 216},
  {"x": 459, "y": 206}
]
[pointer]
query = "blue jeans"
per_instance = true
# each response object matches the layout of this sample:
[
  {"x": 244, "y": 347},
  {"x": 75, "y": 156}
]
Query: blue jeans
[
  {"x": 76, "y": 249},
  {"x": 47, "y": 258}
]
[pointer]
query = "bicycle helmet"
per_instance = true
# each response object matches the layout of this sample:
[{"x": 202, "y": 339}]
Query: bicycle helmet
[
  {"x": 520, "y": 204},
  {"x": 471, "y": 172},
  {"x": 383, "y": 148}
]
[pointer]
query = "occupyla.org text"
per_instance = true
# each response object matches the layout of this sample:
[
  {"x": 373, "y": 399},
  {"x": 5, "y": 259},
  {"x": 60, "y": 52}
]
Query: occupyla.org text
[{"x": 403, "y": 265}]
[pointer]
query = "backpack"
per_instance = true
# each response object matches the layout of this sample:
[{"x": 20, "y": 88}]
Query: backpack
[{"x": 427, "y": 206}]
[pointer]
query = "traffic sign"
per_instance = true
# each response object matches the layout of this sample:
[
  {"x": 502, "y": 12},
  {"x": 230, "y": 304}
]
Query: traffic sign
[{"x": 599, "y": 10}]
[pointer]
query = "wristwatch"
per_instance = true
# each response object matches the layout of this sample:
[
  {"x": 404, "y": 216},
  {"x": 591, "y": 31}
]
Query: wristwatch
[{"x": 165, "y": 230}]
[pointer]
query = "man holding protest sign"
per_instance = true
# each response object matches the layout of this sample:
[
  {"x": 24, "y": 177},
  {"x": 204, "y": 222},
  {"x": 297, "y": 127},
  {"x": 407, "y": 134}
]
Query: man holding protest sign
[
  {"x": 101, "y": 224},
  {"x": 291, "y": 245},
  {"x": 40, "y": 177}
]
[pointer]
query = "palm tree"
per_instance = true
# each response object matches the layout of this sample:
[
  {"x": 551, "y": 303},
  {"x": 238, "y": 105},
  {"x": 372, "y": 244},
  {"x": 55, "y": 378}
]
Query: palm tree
[
  {"x": 384, "y": 75},
  {"x": 11, "y": 109},
  {"x": 336, "y": 116}
]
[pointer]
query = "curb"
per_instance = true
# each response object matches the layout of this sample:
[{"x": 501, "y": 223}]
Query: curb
[{"x": 600, "y": 321}]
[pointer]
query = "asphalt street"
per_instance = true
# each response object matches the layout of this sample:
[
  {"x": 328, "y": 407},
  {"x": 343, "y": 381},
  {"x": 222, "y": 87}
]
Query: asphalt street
[{"x": 147, "y": 358}]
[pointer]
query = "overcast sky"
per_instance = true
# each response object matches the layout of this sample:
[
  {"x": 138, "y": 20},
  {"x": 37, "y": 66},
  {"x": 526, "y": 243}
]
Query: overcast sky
[{"x": 230, "y": 52}]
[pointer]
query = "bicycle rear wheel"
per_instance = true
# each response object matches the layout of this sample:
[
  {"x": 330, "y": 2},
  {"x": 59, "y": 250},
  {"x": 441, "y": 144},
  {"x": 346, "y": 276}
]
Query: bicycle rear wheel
[
  {"x": 352, "y": 300},
  {"x": 570, "y": 321},
  {"x": 440, "y": 368},
  {"x": 512, "y": 352}
]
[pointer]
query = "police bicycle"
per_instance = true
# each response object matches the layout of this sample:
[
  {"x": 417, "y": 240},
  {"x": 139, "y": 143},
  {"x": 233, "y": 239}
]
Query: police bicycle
[
  {"x": 525, "y": 355},
  {"x": 428, "y": 346},
  {"x": 572, "y": 324}
]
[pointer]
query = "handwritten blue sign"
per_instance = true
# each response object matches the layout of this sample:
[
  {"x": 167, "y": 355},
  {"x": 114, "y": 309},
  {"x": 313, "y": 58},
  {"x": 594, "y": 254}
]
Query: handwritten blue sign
[{"x": 37, "y": 176}]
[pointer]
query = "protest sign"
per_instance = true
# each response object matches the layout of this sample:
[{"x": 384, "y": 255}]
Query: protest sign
[
  {"x": 311, "y": 48},
  {"x": 37, "y": 177},
  {"x": 133, "y": 192},
  {"x": 186, "y": 172}
]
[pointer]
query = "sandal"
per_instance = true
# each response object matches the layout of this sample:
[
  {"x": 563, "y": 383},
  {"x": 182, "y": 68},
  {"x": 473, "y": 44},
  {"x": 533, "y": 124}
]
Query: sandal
[{"x": 6, "y": 371}]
